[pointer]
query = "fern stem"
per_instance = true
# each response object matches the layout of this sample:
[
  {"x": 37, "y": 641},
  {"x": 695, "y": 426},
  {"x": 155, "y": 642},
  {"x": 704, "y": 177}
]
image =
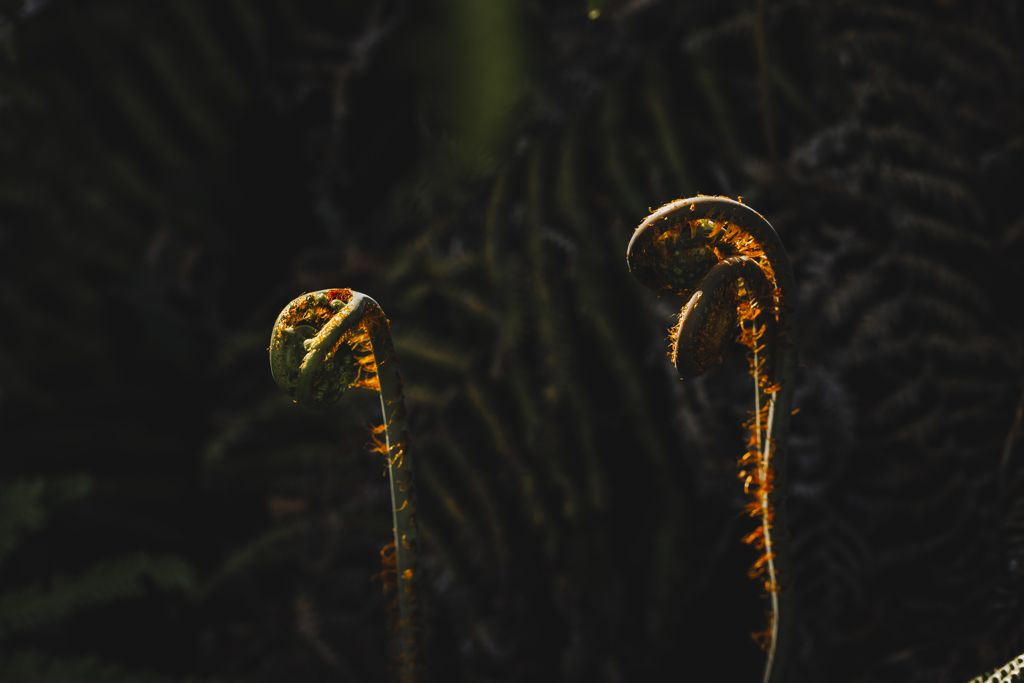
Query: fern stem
[{"x": 403, "y": 493}]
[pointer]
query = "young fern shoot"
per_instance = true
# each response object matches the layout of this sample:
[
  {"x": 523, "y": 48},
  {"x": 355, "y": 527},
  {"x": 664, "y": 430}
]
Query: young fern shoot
[
  {"x": 728, "y": 260},
  {"x": 323, "y": 343}
]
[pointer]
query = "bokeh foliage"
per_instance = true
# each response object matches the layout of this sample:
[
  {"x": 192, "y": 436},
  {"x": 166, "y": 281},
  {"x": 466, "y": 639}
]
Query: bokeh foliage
[{"x": 172, "y": 173}]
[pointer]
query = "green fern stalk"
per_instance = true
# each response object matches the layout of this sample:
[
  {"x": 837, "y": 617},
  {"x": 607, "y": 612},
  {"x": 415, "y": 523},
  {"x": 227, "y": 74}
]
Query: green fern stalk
[
  {"x": 729, "y": 262},
  {"x": 323, "y": 343}
]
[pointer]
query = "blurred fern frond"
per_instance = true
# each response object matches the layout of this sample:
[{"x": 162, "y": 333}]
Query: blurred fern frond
[
  {"x": 36, "y": 605},
  {"x": 31, "y": 667},
  {"x": 23, "y": 507}
]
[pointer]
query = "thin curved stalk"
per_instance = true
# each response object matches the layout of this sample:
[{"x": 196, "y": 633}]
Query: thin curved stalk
[
  {"x": 730, "y": 263},
  {"x": 314, "y": 357},
  {"x": 403, "y": 492}
]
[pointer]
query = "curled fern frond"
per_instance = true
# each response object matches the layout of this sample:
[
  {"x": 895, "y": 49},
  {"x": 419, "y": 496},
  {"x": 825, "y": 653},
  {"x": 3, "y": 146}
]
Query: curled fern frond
[
  {"x": 732, "y": 265},
  {"x": 323, "y": 343}
]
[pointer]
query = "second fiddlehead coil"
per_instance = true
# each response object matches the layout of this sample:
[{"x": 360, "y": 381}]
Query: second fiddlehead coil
[{"x": 729, "y": 262}]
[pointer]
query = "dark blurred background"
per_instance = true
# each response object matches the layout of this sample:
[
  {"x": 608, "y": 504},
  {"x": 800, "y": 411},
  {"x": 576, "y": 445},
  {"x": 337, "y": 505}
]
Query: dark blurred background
[{"x": 173, "y": 172}]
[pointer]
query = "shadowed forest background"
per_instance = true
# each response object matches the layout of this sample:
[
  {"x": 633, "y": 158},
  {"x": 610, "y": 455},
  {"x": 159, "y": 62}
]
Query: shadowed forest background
[{"x": 174, "y": 172}]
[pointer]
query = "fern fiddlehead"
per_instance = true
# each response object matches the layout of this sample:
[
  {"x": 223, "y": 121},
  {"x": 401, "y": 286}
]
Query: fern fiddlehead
[
  {"x": 323, "y": 343},
  {"x": 731, "y": 264}
]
